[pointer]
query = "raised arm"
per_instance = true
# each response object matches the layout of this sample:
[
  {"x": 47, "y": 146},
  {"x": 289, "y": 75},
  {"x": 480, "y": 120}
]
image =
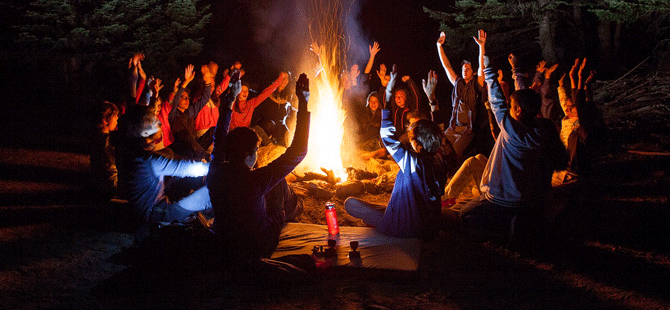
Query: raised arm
[
  {"x": 374, "y": 49},
  {"x": 517, "y": 74},
  {"x": 451, "y": 74},
  {"x": 562, "y": 94},
  {"x": 573, "y": 74},
  {"x": 381, "y": 73},
  {"x": 481, "y": 42},
  {"x": 267, "y": 91},
  {"x": 222, "y": 124},
  {"x": 389, "y": 87},
  {"x": 429, "y": 86},
  {"x": 413, "y": 91},
  {"x": 284, "y": 164},
  {"x": 208, "y": 73}
]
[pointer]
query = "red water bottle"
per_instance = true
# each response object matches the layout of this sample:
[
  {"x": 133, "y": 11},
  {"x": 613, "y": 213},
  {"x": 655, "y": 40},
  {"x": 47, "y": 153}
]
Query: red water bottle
[{"x": 331, "y": 219}]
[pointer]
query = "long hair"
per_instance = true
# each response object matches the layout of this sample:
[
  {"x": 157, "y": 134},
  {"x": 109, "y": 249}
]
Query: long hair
[
  {"x": 106, "y": 111},
  {"x": 436, "y": 154}
]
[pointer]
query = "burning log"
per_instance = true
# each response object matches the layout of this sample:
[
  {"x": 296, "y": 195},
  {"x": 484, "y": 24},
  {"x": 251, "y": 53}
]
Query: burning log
[
  {"x": 358, "y": 174},
  {"x": 349, "y": 188},
  {"x": 328, "y": 177}
]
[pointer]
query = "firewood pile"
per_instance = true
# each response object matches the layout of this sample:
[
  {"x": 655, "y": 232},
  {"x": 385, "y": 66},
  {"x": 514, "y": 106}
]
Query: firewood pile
[
  {"x": 326, "y": 185},
  {"x": 636, "y": 109}
]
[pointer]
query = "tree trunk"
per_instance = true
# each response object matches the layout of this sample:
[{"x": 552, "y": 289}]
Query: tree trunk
[
  {"x": 605, "y": 43},
  {"x": 617, "y": 38},
  {"x": 578, "y": 17},
  {"x": 547, "y": 43}
]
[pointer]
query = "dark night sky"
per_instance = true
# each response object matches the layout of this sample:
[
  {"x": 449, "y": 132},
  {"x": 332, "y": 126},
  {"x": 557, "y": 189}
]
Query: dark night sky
[{"x": 406, "y": 36}]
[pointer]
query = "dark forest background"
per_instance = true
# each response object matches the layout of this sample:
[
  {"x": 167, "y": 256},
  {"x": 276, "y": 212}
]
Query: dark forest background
[{"x": 58, "y": 58}]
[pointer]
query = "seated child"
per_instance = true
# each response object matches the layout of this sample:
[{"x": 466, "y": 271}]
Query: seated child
[
  {"x": 517, "y": 178},
  {"x": 414, "y": 207},
  {"x": 251, "y": 205},
  {"x": 103, "y": 161}
]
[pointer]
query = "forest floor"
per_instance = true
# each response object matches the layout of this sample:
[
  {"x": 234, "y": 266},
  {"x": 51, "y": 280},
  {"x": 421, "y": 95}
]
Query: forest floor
[{"x": 59, "y": 250}]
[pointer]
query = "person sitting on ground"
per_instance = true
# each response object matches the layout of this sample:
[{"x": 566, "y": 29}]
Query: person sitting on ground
[
  {"x": 182, "y": 116},
  {"x": 103, "y": 161},
  {"x": 414, "y": 207},
  {"x": 516, "y": 182},
  {"x": 142, "y": 172},
  {"x": 470, "y": 170},
  {"x": 549, "y": 108},
  {"x": 205, "y": 122},
  {"x": 273, "y": 113},
  {"x": 467, "y": 95},
  {"x": 575, "y": 130},
  {"x": 404, "y": 100},
  {"x": 243, "y": 107},
  {"x": 252, "y": 205}
]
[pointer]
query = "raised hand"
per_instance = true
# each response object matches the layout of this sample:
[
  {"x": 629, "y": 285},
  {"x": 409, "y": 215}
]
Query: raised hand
[
  {"x": 405, "y": 78},
  {"x": 156, "y": 85},
  {"x": 302, "y": 92},
  {"x": 561, "y": 81},
  {"x": 429, "y": 85},
  {"x": 236, "y": 66},
  {"x": 541, "y": 66},
  {"x": 176, "y": 85},
  {"x": 591, "y": 78},
  {"x": 573, "y": 73},
  {"x": 381, "y": 73},
  {"x": 235, "y": 89},
  {"x": 314, "y": 47},
  {"x": 513, "y": 60},
  {"x": 581, "y": 76},
  {"x": 135, "y": 59},
  {"x": 441, "y": 39},
  {"x": 374, "y": 49},
  {"x": 549, "y": 71},
  {"x": 354, "y": 72},
  {"x": 480, "y": 40},
  {"x": 189, "y": 74}
]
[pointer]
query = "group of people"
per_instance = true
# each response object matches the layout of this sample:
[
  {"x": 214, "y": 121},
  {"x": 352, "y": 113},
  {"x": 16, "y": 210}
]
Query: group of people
[{"x": 196, "y": 151}]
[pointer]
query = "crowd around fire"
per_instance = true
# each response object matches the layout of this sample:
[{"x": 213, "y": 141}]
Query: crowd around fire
[{"x": 194, "y": 149}]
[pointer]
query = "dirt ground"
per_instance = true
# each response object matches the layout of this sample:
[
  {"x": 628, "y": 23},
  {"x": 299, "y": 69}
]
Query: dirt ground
[{"x": 59, "y": 250}]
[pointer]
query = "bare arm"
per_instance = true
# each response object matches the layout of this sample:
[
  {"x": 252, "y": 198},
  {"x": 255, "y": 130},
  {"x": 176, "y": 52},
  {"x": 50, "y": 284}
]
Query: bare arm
[
  {"x": 374, "y": 49},
  {"x": 451, "y": 74},
  {"x": 481, "y": 41}
]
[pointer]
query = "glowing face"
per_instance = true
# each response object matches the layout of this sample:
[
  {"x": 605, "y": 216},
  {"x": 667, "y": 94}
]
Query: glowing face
[
  {"x": 244, "y": 93},
  {"x": 400, "y": 98},
  {"x": 570, "y": 109},
  {"x": 515, "y": 110},
  {"x": 373, "y": 103},
  {"x": 467, "y": 72},
  {"x": 112, "y": 124},
  {"x": 183, "y": 102},
  {"x": 284, "y": 81}
]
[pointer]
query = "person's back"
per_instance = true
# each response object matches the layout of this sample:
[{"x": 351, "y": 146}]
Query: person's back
[
  {"x": 414, "y": 208},
  {"x": 526, "y": 153},
  {"x": 250, "y": 205},
  {"x": 517, "y": 180}
]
